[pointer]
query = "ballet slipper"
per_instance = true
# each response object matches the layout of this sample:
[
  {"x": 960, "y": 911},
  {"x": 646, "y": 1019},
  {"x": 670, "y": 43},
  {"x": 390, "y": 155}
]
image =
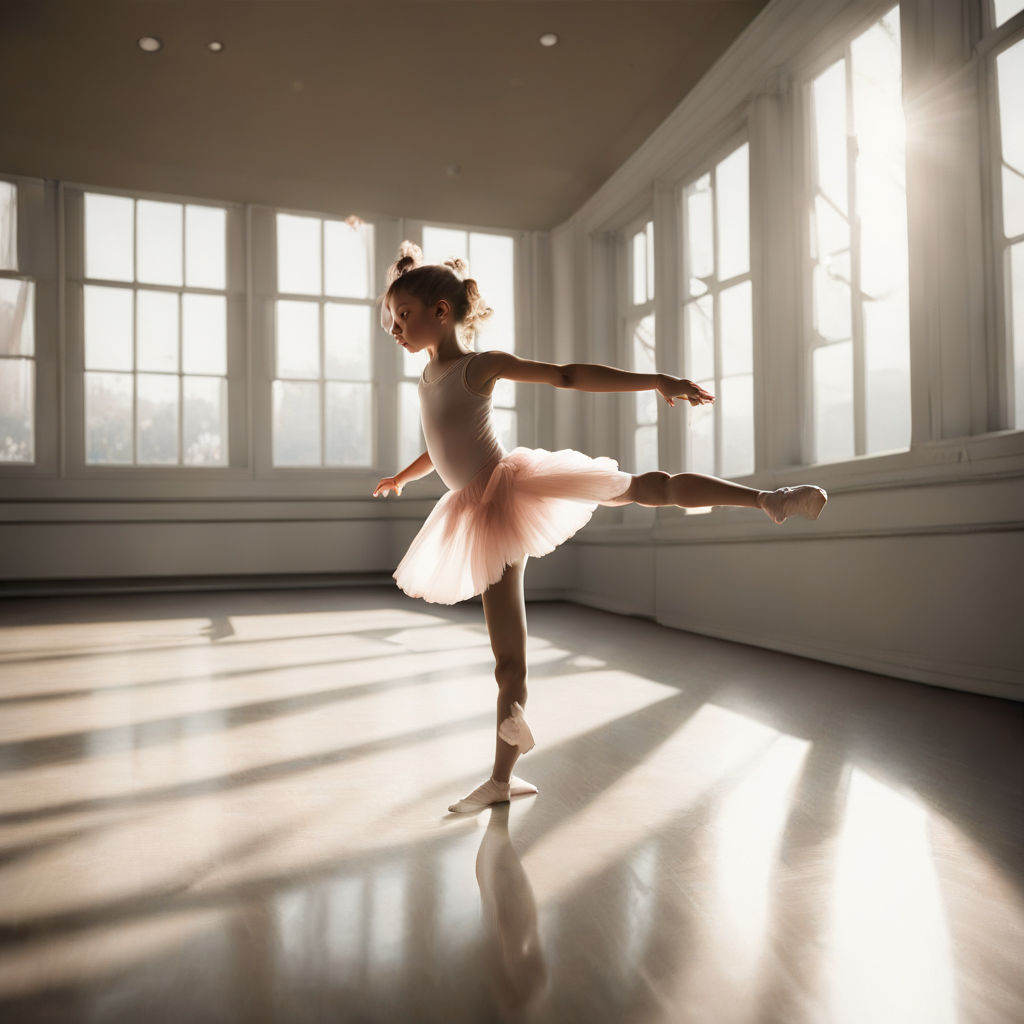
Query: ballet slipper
[
  {"x": 804, "y": 500},
  {"x": 515, "y": 730}
]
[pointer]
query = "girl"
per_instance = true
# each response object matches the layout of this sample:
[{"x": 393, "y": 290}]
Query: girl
[{"x": 502, "y": 507}]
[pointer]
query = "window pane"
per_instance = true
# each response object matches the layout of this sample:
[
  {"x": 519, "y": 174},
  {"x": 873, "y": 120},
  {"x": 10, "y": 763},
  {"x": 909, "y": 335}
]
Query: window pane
[
  {"x": 298, "y": 339},
  {"x": 829, "y": 92},
  {"x": 157, "y": 418},
  {"x": 887, "y": 365},
  {"x": 108, "y": 417},
  {"x": 296, "y": 423},
  {"x": 440, "y": 244},
  {"x": 348, "y": 424},
  {"x": 17, "y": 405},
  {"x": 1010, "y": 76},
  {"x": 108, "y": 328},
  {"x": 700, "y": 339},
  {"x": 832, "y": 299},
  {"x": 205, "y": 426},
  {"x": 1016, "y": 296},
  {"x": 1006, "y": 9},
  {"x": 413, "y": 363},
  {"x": 639, "y": 268},
  {"x": 645, "y": 450},
  {"x": 506, "y": 428},
  {"x": 410, "y": 437},
  {"x": 109, "y": 235},
  {"x": 205, "y": 247},
  {"x": 347, "y": 341},
  {"x": 8, "y": 226},
  {"x": 734, "y": 306},
  {"x": 492, "y": 264},
  {"x": 700, "y": 248},
  {"x": 737, "y": 413},
  {"x": 832, "y": 369},
  {"x": 700, "y": 435},
  {"x": 157, "y": 337},
  {"x": 205, "y": 334},
  {"x": 348, "y": 259},
  {"x": 504, "y": 393},
  {"x": 830, "y": 230},
  {"x": 732, "y": 208},
  {"x": 17, "y": 317},
  {"x": 644, "y": 355},
  {"x": 159, "y": 240},
  {"x": 298, "y": 254},
  {"x": 646, "y": 403}
]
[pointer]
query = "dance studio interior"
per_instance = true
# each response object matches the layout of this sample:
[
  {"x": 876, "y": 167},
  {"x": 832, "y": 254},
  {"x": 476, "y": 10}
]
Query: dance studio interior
[{"x": 779, "y": 766}]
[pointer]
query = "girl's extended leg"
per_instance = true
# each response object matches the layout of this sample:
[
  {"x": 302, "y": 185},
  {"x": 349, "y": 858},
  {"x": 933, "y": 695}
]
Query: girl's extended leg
[
  {"x": 695, "y": 490},
  {"x": 505, "y": 613}
]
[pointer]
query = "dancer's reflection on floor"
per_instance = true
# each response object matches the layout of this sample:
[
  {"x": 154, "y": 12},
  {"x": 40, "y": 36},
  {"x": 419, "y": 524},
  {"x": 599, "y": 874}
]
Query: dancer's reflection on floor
[{"x": 512, "y": 945}]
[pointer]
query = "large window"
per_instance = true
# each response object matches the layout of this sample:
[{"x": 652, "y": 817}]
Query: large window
[
  {"x": 491, "y": 260},
  {"x": 860, "y": 342},
  {"x": 155, "y": 332},
  {"x": 1009, "y": 76},
  {"x": 17, "y": 340},
  {"x": 638, "y": 328},
  {"x": 323, "y": 404},
  {"x": 717, "y": 316}
]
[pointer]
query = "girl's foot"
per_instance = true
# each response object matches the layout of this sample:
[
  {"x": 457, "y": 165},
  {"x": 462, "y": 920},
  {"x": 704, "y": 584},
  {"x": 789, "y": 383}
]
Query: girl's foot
[
  {"x": 492, "y": 792},
  {"x": 805, "y": 500},
  {"x": 515, "y": 730}
]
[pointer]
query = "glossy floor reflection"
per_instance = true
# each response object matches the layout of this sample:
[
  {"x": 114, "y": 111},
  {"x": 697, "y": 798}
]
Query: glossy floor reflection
[{"x": 232, "y": 807}]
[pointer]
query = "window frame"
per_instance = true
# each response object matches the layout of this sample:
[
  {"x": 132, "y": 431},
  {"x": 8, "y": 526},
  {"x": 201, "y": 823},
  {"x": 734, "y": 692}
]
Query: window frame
[
  {"x": 994, "y": 41},
  {"x": 322, "y": 299},
  {"x": 723, "y": 148},
  {"x": 74, "y": 281}
]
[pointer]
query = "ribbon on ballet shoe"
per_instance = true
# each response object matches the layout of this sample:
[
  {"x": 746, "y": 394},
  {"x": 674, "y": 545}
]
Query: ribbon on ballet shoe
[{"x": 515, "y": 730}]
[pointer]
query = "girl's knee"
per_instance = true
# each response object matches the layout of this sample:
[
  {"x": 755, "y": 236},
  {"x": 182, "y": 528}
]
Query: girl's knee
[
  {"x": 652, "y": 488},
  {"x": 510, "y": 673}
]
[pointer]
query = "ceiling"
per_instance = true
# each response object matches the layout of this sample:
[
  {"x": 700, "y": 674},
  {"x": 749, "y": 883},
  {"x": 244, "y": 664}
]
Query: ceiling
[{"x": 353, "y": 106}]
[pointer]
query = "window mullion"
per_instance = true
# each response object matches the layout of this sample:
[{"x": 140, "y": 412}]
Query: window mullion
[{"x": 716, "y": 319}]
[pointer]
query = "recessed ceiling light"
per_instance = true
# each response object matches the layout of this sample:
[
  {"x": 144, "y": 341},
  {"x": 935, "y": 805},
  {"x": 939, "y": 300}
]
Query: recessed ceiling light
[
  {"x": 150, "y": 44},
  {"x": 215, "y": 46},
  {"x": 548, "y": 39}
]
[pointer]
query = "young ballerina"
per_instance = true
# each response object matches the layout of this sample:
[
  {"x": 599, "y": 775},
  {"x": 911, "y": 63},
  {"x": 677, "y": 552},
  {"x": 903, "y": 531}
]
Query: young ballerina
[{"x": 501, "y": 507}]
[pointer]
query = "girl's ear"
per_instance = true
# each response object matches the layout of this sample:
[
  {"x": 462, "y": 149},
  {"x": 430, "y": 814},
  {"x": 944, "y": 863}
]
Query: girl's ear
[{"x": 443, "y": 309}]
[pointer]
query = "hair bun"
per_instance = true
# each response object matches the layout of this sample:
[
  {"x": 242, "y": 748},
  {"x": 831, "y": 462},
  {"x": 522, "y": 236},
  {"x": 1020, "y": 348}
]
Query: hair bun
[
  {"x": 410, "y": 255},
  {"x": 458, "y": 266}
]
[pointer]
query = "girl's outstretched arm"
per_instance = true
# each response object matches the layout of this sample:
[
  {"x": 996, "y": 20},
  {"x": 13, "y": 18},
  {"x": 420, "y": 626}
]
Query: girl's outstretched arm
[
  {"x": 495, "y": 364},
  {"x": 416, "y": 469}
]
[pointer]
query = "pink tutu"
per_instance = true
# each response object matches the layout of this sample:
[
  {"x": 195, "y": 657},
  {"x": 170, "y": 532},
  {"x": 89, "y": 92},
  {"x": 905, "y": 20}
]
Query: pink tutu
[{"x": 531, "y": 502}]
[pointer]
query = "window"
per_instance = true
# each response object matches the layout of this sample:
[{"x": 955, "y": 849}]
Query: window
[
  {"x": 323, "y": 372},
  {"x": 1009, "y": 233},
  {"x": 17, "y": 340},
  {"x": 717, "y": 316},
  {"x": 155, "y": 332},
  {"x": 491, "y": 259},
  {"x": 860, "y": 335},
  {"x": 640, "y": 343},
  {"x": 1004, "y": 10}
]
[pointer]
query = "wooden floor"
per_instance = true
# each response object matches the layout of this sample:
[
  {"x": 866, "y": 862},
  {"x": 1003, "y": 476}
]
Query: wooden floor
[{"x": 232, "y": 807}]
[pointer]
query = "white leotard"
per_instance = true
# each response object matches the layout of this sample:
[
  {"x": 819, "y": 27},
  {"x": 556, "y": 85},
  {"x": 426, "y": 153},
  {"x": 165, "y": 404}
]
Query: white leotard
[{"x": 457, "y": 424}]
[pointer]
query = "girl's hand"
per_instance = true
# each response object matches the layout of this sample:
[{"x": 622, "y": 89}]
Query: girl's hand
[
  {"x": 671, "y": 388},
  {"x": 389, "y": 483}
]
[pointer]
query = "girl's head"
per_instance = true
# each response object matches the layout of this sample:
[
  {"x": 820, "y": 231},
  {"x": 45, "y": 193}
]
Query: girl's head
[{"x": 424, "y": 301}]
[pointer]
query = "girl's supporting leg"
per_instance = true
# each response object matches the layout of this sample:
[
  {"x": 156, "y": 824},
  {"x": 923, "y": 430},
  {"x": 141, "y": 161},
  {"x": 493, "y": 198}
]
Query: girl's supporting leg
[
  {"x": 695, "y": 490},
  {"x": 505, "y": 613}
]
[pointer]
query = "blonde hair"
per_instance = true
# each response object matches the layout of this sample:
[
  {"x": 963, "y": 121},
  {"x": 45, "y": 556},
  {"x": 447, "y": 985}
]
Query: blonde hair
[{"x": 431, "y": 282}]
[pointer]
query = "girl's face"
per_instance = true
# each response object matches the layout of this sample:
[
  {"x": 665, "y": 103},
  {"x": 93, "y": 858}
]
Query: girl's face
[{"x": 415, "y": 325}]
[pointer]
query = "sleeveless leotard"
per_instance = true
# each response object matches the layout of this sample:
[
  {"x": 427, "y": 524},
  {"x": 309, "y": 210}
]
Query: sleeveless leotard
[{"x": 457, "y": 424}]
